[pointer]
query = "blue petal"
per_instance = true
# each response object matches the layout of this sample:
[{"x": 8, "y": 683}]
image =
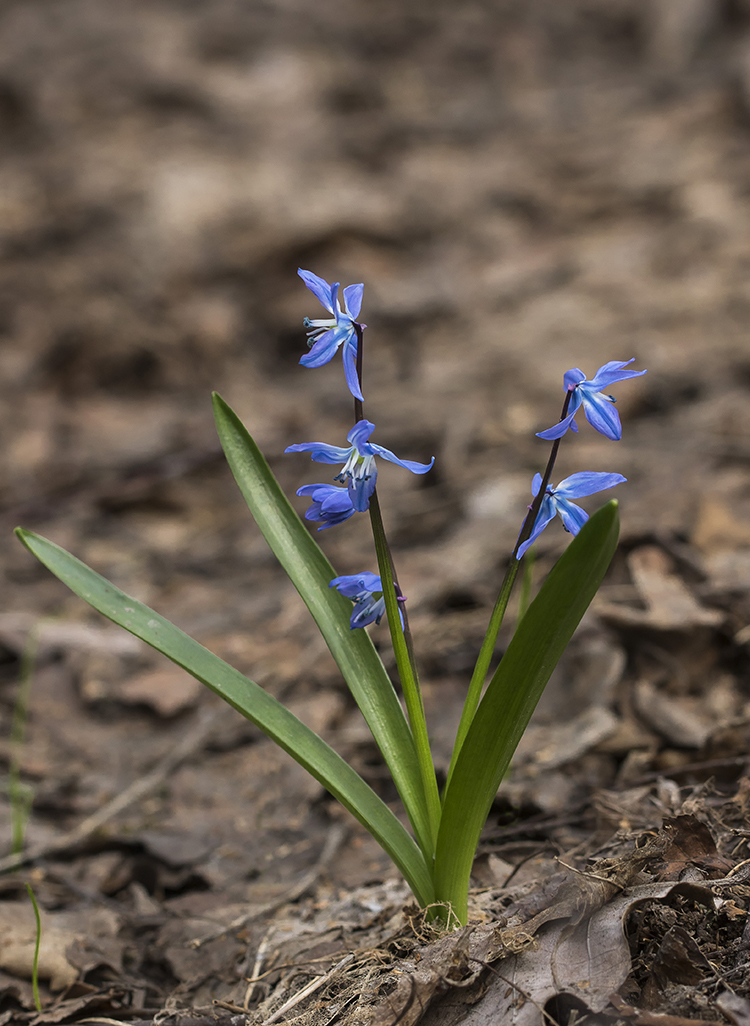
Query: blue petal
[
  {"x": 412, "y": 465},
  {"x": 572, "y": 378},
  {"x": 332, "y": 519},
  {"x": 359, "y": 434},
  {"x": 572, "y": 516},
  {"x": 586, "y": 483},
  {"x": 353, "y": 300},
  {"x": 323, "y": 350},
  {"x": 352, "y": 585},
  {"x": 546, "y": 514},
  {"x": 320, "y": 452},
  {"x": 323, "y": 493},
  {"x": 330, "y": 504},
  {"x": 602, "y": 415},
  {"x": 536, "y": 484},
  {"x": 360, "y": 490},
  {"x": 611, "y": 372},
  {"x": 336, "y": 503},
  {"x": 312, "y": 489},
  {"x": 320, "y": 288},
  {"x": 559, "y": 429},
  {"x": 349, "y": 354}
]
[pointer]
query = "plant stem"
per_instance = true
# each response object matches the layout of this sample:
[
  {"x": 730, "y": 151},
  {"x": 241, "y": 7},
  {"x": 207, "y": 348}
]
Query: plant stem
[
  {"x": 403, "y": 646},
  {"x": 404, "y": 652},
  {"x": 490, "y": 639},
  {"x": 526, "y": 582},
  {"x": 37, "y": 944}
]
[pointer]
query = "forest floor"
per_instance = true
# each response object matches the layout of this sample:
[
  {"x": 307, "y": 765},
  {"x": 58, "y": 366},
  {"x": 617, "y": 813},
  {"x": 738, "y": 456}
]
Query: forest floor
[{"x": 523, "y": 188}]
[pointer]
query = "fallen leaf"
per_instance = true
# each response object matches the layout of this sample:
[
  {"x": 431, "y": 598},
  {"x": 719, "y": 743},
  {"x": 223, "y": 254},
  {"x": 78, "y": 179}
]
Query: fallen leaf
[
  {"x": 691, "y": 844},
  {"x": 735, "y": 1007},
  {"x": 670, "y": 718},
  {"x": 670, "y": 605},
  {"x": 18, "y": 940},
  {"x": 587, "y": 962},
  {"x": 89, "y": 935}
]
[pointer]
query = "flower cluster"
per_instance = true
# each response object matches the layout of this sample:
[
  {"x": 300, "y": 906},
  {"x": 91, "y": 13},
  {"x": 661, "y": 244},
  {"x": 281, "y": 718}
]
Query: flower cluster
[
  {"x": 598, "y": 408},
  {"x": 332, "y": 505},
  {"x": 359, "y": 471},
  {"x": 328, "y": 334},
  {"x": 556, "y": 502},
  {"x": 600, "y": 412},
  {"x": 366, "y": 591}
]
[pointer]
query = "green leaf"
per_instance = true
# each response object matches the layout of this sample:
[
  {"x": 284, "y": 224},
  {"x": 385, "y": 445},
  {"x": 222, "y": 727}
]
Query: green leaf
[
  {"x": 252, "y": 701},
  {"x": 512, "y": 694},
  {"x": 311, "y": 573}
]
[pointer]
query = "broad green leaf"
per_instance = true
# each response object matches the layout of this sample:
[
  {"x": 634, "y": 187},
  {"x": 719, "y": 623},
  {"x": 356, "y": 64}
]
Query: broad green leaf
[
  {"x": 311, "y": 573},
  {"x": 511, "y": 697},
  {"x": 252, "y": 701}
]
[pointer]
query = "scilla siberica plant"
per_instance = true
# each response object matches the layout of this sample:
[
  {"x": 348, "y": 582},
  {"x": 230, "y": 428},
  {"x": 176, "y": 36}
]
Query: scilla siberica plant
[{"x": 436, "y": 857}]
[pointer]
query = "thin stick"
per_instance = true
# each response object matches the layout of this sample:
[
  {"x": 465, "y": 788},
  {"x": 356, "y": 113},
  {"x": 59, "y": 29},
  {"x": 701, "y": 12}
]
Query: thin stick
[
  {"x": 187, "y": 746},
  {"x": 309, "y": 989}
]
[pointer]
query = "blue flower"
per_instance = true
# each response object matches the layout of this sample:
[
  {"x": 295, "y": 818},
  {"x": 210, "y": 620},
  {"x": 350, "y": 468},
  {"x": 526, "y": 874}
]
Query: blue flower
[
  {"x": 359, "y": 470},
  {"x": 366, "y": 591},
  {"x": 329, "y": 333},
  {"x": 599, "y": 408},
  {"x": 330, "y": 504},
  {"x": 557, "y": 501}
]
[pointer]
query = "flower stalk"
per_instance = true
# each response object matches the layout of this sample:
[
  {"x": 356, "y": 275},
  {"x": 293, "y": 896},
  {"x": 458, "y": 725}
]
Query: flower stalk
[
  {"x": 401, "y": 637},
  {"x": 482, "y": 666}
]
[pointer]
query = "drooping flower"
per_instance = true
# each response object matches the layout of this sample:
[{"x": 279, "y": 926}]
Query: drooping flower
[
  {"x": 329, "y": 333},
  {"x": 599, "y": 408},
  {"x": 359, "y": 471},
  {"x": 366, "y": 591},
  {"x": 557, "y": 502},
  {"x": 330, "y": 504}
]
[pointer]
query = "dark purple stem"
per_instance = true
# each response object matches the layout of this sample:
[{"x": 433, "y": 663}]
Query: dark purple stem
[{"x": 536, "y": 505}]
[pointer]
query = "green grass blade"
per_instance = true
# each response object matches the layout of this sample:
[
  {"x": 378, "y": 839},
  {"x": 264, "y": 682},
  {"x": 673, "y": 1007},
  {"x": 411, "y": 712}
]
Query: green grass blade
[
  {"x": 512, "y": 694},
  {"x": 252, "y": 701},
  {"x": 310, "y": 572},
  {"x": 37, "y": 945}
]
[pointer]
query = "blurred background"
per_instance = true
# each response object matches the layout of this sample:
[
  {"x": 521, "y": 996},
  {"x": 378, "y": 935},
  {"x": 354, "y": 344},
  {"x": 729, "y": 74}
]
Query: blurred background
[{"x": 523, "y": 186}]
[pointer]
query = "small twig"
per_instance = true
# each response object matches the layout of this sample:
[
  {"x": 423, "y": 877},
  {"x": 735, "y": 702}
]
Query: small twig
[
  {"x": 337, "y": 1014},
  {"x": 190, "y": 743},
  {"x": 335, "y": 837},
  {"x": 222, "y": 1004},
  {"x": 309, "y": 989}
]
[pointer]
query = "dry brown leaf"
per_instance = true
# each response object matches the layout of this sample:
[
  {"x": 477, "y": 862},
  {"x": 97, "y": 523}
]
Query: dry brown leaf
[
  {"x": 588, "y": 961},
  {"x": 670, "y": 717},
  {"x": 691, "y": 844},
  {"x": 670, "y": 605},
  {"x": 60, "y": 930},
  {"x": 735, "y": 1007}
]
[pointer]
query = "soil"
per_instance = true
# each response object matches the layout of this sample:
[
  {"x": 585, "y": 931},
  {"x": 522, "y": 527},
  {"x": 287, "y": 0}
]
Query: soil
[{"x": 523, "y": 188}]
